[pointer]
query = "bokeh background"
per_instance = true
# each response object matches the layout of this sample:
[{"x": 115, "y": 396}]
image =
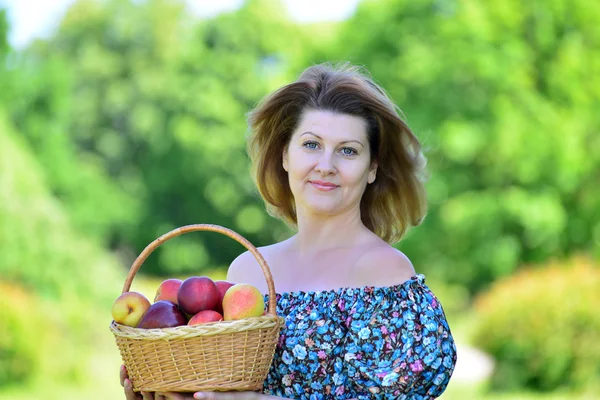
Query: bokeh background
[{"x": 127, "y": 119}]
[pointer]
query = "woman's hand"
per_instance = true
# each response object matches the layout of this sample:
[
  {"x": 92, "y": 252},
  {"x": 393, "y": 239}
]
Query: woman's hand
[
  {"x": 217, "y": 396},
  {"x": 214, "y": 396},
  {"x": 232, "y": 396},
  {"x": 131, "y": 395}
]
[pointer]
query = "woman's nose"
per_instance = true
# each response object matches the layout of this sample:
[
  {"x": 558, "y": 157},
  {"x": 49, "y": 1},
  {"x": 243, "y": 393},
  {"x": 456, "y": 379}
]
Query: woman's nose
[{"x": 325, "y": 164}]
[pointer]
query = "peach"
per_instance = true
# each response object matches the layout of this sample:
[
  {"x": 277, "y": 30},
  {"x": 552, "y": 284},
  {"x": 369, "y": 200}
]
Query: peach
[
  {"x": 243, "y": 301},
  {"x": 129, "y": 308},
  {"x": 222, "y": 286},
  {"x": 167, "y": 290},
  {"x": 204, "y": 317},
  {"x": 196, "y": 294}
]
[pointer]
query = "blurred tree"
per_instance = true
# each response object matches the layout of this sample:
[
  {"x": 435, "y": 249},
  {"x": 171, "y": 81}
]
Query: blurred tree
[
  {"x": 504, "y": 95},
  {"x": 153, "y": 102},
  {"x": 38, "y": 99},
  {"x": 136, "y": 111},
  {"x": 547, "y": 345},
  {"x": 54, "y": 283},
  {"x": 4, "y": 47}
]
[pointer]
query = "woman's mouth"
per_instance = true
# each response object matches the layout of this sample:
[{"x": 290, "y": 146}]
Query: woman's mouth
[{"x": 323, "y": 186}]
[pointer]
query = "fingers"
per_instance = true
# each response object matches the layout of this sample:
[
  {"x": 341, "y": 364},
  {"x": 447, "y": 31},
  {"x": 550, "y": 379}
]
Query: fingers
[
  {"x": 148, "y": 396},
  {"x": 123, "y": 375},
  {"x": 227, "y": 395},
  {"x": 176, "y": 396},
  {"x": 128, "y": 389},
  {"x": 218, "y": 396}
]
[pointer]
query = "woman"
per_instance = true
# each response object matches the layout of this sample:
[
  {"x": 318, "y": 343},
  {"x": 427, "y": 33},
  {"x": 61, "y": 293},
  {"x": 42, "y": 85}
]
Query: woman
[{"x": 332, "y": 158}]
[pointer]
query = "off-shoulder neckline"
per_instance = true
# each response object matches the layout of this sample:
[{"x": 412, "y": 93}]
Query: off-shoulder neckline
[{"x": 417, "y": 278}]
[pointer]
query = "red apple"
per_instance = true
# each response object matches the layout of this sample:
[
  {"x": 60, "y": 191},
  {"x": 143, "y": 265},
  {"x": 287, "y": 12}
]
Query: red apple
[
  {"x": 204, "y": 317},
  {"x": 196, "y": 294},
  {"x": 167, "y": 290},
  {"x": 129, "y": 308},
  {"x": 162, "y": 314},
  {"x": 222, "y": 286}
]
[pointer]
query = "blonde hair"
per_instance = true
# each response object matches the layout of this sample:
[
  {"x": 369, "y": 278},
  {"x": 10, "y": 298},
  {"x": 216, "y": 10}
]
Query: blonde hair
[{"x": 396, "y": 200}]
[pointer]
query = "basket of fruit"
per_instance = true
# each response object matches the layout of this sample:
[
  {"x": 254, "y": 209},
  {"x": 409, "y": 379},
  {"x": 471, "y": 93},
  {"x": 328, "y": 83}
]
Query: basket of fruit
[{"x": 197, "y": 335}]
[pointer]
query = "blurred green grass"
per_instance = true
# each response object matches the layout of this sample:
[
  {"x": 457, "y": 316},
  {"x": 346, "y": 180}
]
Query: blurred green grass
[{"x": 479, "y": 392}]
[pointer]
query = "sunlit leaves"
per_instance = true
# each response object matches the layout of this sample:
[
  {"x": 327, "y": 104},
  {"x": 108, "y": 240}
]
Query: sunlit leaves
[
  {"x": 137, "y": 112},
  {"x": 505, "y": 96}
]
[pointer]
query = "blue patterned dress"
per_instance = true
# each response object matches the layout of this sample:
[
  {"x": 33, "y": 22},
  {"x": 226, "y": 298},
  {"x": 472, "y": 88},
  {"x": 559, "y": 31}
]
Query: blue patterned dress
[{"x": 367, "y": 343}]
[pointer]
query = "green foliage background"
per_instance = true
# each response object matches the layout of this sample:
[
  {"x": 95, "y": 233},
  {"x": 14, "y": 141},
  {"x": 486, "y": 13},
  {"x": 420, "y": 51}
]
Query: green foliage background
[
  {"x": 130, "y": 121},
  {"x": 541, "y": 345}
]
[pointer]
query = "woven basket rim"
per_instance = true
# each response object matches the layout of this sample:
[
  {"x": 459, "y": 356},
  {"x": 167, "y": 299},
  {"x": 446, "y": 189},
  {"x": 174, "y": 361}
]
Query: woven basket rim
[{"x": 189, "y": 331}]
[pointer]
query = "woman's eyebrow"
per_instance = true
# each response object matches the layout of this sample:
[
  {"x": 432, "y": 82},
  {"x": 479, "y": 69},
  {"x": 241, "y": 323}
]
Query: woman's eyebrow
[{"x": 344, "y": 142}]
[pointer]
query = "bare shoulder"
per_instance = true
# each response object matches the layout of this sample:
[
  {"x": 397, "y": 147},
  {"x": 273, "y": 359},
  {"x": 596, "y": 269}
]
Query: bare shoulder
[
  {"x": 383, "y": 265},
  {"x": 240, "y": 268},
  {"x": 245, "y": 269}
]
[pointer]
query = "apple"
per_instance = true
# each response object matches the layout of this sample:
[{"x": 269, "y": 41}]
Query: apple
[
  {"x": 197, "y": 293},
  {"x": 162, "y": 314},
  {"x": 167, "y": 290},
  {"x": 204, "y": 317},
  {"x": 129, "y": 308},
  {"x": 243, "y": 301},
  {"x": 222, "y": 286}
]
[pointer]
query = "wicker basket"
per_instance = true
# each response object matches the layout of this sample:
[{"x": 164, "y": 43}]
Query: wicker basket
[{"x": 220, "y": 356}]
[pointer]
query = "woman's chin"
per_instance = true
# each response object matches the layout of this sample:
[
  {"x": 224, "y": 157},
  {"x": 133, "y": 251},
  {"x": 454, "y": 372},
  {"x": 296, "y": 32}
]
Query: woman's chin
[{"x": 322, "y": 209}]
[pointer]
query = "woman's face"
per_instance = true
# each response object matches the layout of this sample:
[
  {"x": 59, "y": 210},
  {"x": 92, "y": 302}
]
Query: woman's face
[{"x": 328, "y": 161}]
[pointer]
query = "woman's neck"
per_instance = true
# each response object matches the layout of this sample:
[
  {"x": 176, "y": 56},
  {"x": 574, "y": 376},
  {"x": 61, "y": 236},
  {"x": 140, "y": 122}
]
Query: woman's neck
[{"x": 323, "y": 232}]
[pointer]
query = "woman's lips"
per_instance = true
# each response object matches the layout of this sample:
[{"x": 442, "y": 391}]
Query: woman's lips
[{"x": 324, "y": 186}]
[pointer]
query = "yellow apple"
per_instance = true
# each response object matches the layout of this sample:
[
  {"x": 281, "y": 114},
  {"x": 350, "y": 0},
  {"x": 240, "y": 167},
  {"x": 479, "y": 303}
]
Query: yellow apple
[{"x": 129, "y": 308}]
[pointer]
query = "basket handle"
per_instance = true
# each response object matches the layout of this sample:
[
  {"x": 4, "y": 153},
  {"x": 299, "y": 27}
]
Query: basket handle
[{"x": 205, "y": 227}]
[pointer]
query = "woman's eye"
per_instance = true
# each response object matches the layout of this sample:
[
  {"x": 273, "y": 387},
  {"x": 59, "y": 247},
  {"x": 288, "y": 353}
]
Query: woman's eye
[
  {"x": 310, "y": 145},
  {"x": 348, "y": 151}
]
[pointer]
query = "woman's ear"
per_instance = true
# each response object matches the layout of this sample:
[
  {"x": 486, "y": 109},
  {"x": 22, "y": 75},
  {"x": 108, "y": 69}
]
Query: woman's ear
[
  {"x": 372, "y": 172},
  {"x": 284, "y": 161}
]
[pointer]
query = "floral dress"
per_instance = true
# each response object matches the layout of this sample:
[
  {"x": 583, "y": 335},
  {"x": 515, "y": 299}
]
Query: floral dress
[{"x": 366, "y": 343}]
